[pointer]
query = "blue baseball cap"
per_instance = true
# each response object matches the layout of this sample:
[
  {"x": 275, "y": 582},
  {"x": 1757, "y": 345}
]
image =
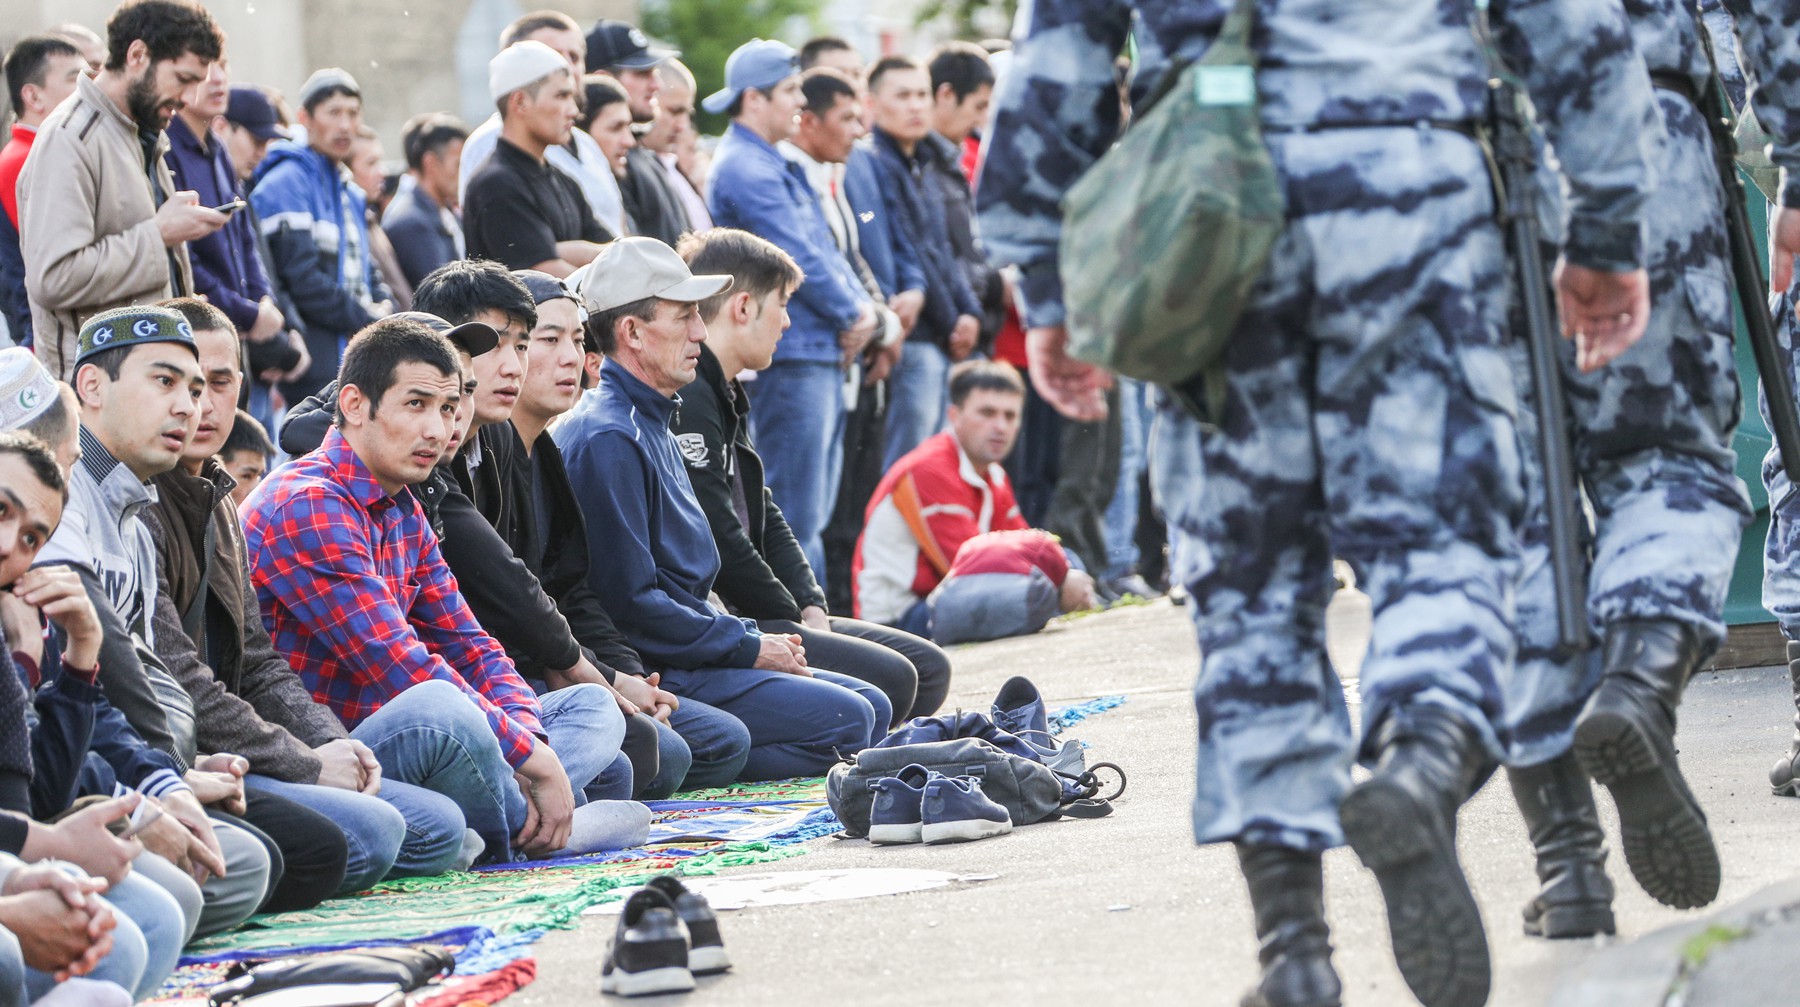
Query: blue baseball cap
[
  {"x": 760, "y": 63},
  {"x": 252, "y": 110}
]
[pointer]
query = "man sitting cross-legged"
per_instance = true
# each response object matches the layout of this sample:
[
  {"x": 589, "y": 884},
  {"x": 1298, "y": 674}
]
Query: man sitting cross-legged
[
  {"x": 764, "y": 573},
  {"x": 354, "y": 590},
  {"x": 652, "y": 557}
]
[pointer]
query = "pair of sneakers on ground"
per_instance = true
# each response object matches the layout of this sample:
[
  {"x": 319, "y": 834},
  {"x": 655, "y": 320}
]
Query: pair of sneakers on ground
[
  {"x": 667, "y": 935},
  {"x": 918, "y": 805}
]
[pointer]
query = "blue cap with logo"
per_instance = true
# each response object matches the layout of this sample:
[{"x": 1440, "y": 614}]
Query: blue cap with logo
[
  {"x": 131, "y": 326},
  {"x": 760, "y": 63}
]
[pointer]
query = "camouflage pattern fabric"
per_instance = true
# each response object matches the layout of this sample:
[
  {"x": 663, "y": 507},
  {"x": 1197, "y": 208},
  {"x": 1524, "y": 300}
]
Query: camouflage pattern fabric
[
  {"x": 1781, "y": 549},
  {"x": 1652, "y": 435},
  {"x": 1369, "y": 405},
  {"x": 1768, "y": 34}
]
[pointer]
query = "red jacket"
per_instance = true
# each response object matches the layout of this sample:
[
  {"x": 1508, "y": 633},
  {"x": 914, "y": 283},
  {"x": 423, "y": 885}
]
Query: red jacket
[{"x": 928, "y": 504}]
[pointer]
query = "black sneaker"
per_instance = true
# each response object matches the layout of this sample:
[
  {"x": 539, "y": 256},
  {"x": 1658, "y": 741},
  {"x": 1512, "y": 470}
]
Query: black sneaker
[
  {"x": 706, "y": 949},
  {"x": 650, "y": 951}
]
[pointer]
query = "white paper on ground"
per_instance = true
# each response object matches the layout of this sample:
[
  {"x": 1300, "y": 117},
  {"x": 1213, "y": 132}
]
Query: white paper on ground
[{"x": 793, "y": 888}]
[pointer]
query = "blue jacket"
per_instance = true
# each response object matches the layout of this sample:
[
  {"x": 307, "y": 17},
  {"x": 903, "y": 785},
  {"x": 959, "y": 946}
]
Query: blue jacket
[
  {"x": 651, "y": 554},
  {"x": 12, "y": 284},
  {"x": 754, "y": 188},
  {"x": 920, "y": 217},
  {"x": 415, "y": 226},
  {"x": 888, "y": 251},
  {"x": 226, "y": 269},
  {"x": 312, "y": 217}
]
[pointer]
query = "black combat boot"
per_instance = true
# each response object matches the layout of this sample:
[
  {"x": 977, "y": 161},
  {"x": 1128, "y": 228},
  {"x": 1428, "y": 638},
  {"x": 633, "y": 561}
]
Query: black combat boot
[
  {"x": 1402, "y": 823},
  {"x": 1574, "y": 896},
  {"x": 1287, "y": 893},
  {"x": 1784, "y": 779},
  {"x": 1625, "y": 739}
]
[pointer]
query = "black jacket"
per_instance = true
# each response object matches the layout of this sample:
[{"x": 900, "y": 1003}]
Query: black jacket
[
  {"x": 655, "y": 209},
  {"x": 762, "y": 572},
  {"x": 502, "y": 592}
]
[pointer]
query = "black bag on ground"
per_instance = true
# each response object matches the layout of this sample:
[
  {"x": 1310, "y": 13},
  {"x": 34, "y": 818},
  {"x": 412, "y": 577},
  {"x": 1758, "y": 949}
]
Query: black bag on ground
[
  {"x": 408, "y": 967},
  {"x": 1028, "y": 790}
]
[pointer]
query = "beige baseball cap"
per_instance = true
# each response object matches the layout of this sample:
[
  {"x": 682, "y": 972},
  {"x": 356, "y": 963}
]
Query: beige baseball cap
[{"x": 631, "y": 269}]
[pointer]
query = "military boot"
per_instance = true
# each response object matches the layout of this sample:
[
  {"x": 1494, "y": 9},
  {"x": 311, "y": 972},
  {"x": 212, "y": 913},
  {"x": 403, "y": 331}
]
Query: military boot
[
  {"x": 1625, "y": 740},
  {"x": 1402, "y": 823},
  {"x": 1784, "y": 779},
  {"x": 1287, "y": 893},
  {"x": 1574, "y": 896}
]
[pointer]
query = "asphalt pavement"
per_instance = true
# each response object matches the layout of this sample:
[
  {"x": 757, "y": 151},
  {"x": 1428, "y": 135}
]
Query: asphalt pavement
[{"x": 1126, "y": 910}]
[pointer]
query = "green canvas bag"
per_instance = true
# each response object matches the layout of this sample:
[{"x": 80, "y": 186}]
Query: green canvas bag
[{"x": 1165, "y": 236}]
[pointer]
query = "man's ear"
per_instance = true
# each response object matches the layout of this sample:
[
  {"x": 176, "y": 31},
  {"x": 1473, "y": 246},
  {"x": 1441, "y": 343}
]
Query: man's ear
[
  {"x": 353, "y": 405},
  {"x": 740, "y": 307},
  {"x": 137, "y": 56},
  {"x": 944, "y": 94},
  {"x": 89, "y": 380}
]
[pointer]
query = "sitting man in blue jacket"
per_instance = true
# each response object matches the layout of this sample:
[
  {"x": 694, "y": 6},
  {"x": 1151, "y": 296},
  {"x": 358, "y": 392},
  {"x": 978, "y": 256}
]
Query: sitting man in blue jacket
[{"x": 653, "y": 556}]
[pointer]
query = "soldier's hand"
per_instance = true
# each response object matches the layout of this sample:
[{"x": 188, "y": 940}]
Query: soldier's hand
[
  {"x": 1784, "y": 246},
  {"x": 1604, "y": 312},
  {"x": 1073, "y": 387}
]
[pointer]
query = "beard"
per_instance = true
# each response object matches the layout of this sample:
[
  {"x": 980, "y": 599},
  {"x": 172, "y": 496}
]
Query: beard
[{"x": 145, "y": 106}]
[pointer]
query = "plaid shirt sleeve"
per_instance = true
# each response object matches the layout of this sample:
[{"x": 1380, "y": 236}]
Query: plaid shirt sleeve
[{"x": 329, "y": 580}]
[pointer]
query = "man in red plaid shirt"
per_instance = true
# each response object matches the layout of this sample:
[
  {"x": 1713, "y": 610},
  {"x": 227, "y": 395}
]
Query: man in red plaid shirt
[{"x": 355, "y": 593}]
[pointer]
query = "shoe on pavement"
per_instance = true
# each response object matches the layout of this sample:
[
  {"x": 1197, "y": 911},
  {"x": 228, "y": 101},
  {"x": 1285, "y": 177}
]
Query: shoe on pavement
[
  {"x": 649, "y": 952},
  {"x": 1625, "y": 739},
  {"x": 1019, "y": 708},
  {"x": 894, "y": 817},
  {"x": 1133, "y": 585},
  {"x": 706, "y": 949},
  {"x": 1287, "y": 896},
  {"x": 1784, "y": 779},
  {"x": 954, "y": 810}
]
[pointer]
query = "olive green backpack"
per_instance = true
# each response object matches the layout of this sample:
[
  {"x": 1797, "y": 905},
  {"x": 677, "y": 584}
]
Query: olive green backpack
[{"x": 1165, "y": 236}]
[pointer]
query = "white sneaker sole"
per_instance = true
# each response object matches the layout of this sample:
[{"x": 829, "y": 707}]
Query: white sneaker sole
[
  {"x": 708, "y": 960},
  {"x": 894, "y": 835},
  {"x": 636, "y": 984},
  {"x": 962, "y": 832}
]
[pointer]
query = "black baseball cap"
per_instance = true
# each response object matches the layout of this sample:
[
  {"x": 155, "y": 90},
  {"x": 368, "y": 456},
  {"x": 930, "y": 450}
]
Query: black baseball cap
[
  {"x": 616, "y": 45},
  {"x": 251, "y": 110},
  {"x": 475, "y": 337}
]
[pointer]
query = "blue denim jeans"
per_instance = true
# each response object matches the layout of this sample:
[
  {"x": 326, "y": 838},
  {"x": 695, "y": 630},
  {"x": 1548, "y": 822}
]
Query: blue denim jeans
[
  {"x": 403, "y": 831},
  {"x": 434, "y": 736},
  {"x": 918, "y": 393},
  {"x": 797, "y": 419},
  {"x": 797, "y": 726}
]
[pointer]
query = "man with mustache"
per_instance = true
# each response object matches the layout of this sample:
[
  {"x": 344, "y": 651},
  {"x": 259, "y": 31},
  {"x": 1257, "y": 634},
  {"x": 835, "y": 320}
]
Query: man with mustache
[{"x": 101, "y": 224}]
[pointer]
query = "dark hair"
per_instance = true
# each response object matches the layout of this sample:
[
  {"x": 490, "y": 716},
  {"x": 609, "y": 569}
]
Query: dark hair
[
  {"x": 599, "y": 90},
  {"x": 983, "y": 376},
  {"x": 822, "y": 85},
  {"x": 890, "y": 64},
  {"x": 603, "y": 326},
  {"x": 755, "y": 265},
  {"x": 29, "y": 62},
  {"x": 52, "y": 426},
  {"x": 962, "y": 65},
  {"x": 325, "y": 94},
  {"x": 819, "y": 46},
  {"x": 429, "y": 133},
  {"x": 247, "y": 434},
  {"x": 170, "y": 29},
  {"x": 200, "y": 315},
  {"x": 459, "y": 290},
  {"x": 375, "y": 354},
  {"x": 736, "y": 108},
  {"x": 111, "y": 362},
  {"x": 534, "y": 22},
  {"x": 37, "y": 457}
]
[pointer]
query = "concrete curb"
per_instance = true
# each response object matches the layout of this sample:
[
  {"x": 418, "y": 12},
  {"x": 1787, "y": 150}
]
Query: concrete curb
[{"x": 1653, "y": 971}]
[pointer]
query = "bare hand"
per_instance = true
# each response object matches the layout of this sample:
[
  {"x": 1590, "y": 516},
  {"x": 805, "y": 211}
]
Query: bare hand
[
  {"x": 84, "y": 840},
  {"x": 61, "y": 930},
  {"x": 182, "y": 218},
  {"x": 549, "y": 803},
  {"x": 269, "y": 321},
  {"x": 962, "y": 338},
  {"x": 202, "y": 847},
  {"x": 19, "y": 624},
  {"x": 907, "y": 304},
  {"x": 1078, "y": 592},
  {"x": 341, "y": 766},
  {"x": 1075, "y": 388},
  {"x": 299, "y": 343},
  {"x": 1603, "y": 312},
  {"x": 881, "y": 363},
  {"x": 56, "y": 591},
  {"x": 782, "y": 652},
  {"x": 853, "y": 339},
  {"x": 1784, "y": 245},
  {"x": 813, "y": 617},
  {"x": 645, "y": 696},
  {"x": 218, "y": 781}
]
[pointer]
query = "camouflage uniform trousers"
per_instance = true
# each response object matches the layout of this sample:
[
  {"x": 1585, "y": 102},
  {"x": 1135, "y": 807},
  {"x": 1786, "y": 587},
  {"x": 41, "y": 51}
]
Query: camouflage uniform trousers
[
  {"x": 1369, "y": 414},
  {"x": 1652, "y": 436},
  {"x": 1781, "y": 549}
]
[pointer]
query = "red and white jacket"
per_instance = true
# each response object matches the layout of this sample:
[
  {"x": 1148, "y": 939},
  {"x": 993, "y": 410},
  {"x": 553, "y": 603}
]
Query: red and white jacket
[{"x": 928, "y": 504}]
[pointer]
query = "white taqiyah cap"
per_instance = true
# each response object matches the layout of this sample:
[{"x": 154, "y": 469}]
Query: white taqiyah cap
[{"x": 520, "y": 64}]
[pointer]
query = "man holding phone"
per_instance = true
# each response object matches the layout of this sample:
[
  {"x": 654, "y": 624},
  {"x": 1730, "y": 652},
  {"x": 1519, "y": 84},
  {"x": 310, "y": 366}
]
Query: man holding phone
[{"x": 227, "y": 271}]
